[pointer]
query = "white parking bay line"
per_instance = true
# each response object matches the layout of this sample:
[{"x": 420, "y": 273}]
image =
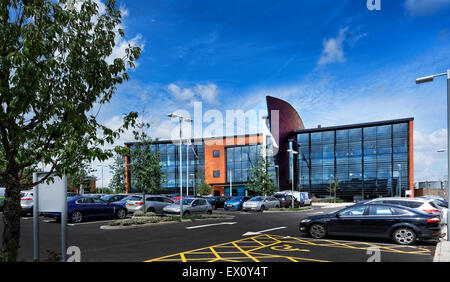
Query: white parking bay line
[{"x": 213, "y": 224}]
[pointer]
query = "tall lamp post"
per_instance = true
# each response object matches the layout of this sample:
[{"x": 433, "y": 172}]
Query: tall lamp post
[
  {"x": 278, "y": 177},
  {"x": 443, "y": 181},
  {"x": 187, "y": 161},
  {"x": 430, "y": 79},
  {"x": 292, "y": 153},
  {"x": 180, "y": 118}
]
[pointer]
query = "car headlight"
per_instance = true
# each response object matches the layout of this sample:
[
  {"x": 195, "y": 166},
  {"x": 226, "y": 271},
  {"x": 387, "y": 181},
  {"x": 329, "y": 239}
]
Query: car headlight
[{"x": 305, "y": 220}]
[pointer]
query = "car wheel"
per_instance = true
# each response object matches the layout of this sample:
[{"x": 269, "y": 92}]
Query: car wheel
[
  {"x": 209, "y": 212},
  {"x": 262, "y": 209},
  {"x": 317, "y": 231},
  {"x": 186, "y": 213},
  {"x": 215, "y": 207},
  {"x": 121, "y": 214},
  {"x": 151, "y": 210},
  {"x": 404, "y": 236},
  {"x": 277, "y": 206},
  {"x": 76, "y": 217}
]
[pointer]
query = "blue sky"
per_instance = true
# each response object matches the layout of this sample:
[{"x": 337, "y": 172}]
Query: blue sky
[{"x": 336, "y": 62}]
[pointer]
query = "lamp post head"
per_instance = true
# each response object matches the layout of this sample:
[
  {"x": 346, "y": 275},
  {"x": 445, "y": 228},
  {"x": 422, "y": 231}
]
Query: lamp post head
[{"x": 425, "y": 79}]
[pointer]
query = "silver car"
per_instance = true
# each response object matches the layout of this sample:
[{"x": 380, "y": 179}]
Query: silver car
[
  {"x": 153, "y": 203},
  {"x": 190, "y": 206},
  {"x": 261, "y": 203}
]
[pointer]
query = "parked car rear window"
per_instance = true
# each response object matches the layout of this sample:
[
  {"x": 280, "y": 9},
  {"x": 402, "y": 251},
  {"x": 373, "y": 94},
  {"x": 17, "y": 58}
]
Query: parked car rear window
[
  {"x": 413, "y": 205},
  {"x": 398, "y": 211}
]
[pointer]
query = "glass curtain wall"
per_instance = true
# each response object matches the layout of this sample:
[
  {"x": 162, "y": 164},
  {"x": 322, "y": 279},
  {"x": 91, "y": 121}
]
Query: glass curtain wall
[
  {"x": 366, "y": 162},
  {"x": 169, "y": 159},
  {"x": 240, "y": 159}
]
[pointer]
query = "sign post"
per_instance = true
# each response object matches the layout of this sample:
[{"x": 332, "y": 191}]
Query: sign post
[
  {"x": 50, "y": 197},
  {"x": 35, "y": 218},
  {"x": 64, "y": 220}
]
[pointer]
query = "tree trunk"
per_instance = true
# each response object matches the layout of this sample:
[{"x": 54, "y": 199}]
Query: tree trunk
[{"x": 11, "y": 218}]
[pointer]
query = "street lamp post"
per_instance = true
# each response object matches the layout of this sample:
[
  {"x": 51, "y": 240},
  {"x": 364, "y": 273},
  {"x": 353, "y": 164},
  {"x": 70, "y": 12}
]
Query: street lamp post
[
  {"x": 429, "y": 79},
  {"x": 399, "y": 180},
  {"x": 292, "y": 152},
  {"x": 180, "y": 118},
  {"x": 278, "y": 177}
]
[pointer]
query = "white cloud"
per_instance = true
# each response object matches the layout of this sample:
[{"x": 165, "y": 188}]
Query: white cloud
[
  {"x": 428, "y": 163},
  {"x": 180, "y": 94},
  {"x": 207, "y": 92},
  {"x": 425, "y": 7},
  {"x": 333, "y": 51},
  {"x": 200, "y": 92}
]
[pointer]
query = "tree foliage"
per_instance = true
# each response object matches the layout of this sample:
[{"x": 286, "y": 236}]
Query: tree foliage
[
  {"x": 260, "y": 181},
  {"x": 117, "y": 183},
  {"x": 55, "y": 68},
  {"x": 203, "y": 189},
  {"x": 145, "y": 166}
]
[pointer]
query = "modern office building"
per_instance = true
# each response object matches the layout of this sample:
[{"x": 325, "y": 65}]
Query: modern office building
[{"x": 366, "y": 160}]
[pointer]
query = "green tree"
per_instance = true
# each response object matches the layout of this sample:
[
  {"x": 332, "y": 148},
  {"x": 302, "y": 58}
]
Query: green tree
[
  {"x": 117, "y": 183},
  {"x": 56, "y": 65},
  {"x": 145, "y": 166},
  {"x": 203, "y": 189},
  {"x": 80, "y": 176},
  {"x": 333, "y": 187},
  {"x": 260, "y": 181}
]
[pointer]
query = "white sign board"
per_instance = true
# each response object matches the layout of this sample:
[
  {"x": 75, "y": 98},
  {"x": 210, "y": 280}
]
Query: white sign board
[{"x": 51, "y": 195}]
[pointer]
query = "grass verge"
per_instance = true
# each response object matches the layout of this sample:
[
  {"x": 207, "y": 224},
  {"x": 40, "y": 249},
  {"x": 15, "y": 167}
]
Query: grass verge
[{"x": 158, "y": 219}]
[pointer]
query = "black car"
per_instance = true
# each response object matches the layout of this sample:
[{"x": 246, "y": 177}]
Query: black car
[
  {"x": 402, "y": 224},
  {"x": 286, "y": 200},
  {"x": 217, "y": 201}
]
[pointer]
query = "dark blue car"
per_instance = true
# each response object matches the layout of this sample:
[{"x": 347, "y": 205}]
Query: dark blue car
[
  {"x": 235, "y": 203},
  {"x": 82, "y": 207},
  {"x": 402, "y": 224}
]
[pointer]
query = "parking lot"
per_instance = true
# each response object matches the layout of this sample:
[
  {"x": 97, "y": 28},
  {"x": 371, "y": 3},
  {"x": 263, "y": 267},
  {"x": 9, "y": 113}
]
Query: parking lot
[{"x": 247, "y": 237}]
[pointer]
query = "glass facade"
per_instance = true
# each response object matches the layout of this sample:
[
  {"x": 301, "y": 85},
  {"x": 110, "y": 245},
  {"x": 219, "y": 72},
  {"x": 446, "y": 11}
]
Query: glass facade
[
  {"x": 366, "y": 162},
  {"x": 169, "y": 158},
  {"x": 240, "y": 159}
]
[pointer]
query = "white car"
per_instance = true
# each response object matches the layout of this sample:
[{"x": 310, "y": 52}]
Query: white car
[
  {"x": 302, "y": 197},
  {"x": 420, "y": 204},
  {"x": 261, "y": 203},
  {"x": 26, "y": 201}
]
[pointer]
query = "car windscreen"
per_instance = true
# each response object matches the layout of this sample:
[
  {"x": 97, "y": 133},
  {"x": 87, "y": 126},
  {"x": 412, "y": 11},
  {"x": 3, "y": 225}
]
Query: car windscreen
[
  {"x": 236, "y": 199},
  {"x": 256, "y": 199},
  {"x": 185, "y": 202},
  {"x": 441, "y": 204},
  {"x": 434, "y": 205}
]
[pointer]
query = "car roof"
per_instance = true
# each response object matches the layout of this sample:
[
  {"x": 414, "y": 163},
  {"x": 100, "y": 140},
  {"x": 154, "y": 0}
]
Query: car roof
[
  {"x": 393, "y": 206},
  {"x": 402, "y": 199}
]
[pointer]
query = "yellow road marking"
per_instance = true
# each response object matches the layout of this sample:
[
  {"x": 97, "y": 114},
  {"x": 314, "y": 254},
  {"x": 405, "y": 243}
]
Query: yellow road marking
[{"x": 248, "y": 247}]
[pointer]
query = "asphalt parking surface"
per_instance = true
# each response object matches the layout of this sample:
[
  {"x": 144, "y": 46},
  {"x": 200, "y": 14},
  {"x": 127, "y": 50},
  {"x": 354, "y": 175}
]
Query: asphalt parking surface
[{"x": 252, "y": 237}]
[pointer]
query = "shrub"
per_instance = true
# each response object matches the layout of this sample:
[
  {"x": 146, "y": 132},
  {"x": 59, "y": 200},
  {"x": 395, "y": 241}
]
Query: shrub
[{"x": 139, "y": 213}]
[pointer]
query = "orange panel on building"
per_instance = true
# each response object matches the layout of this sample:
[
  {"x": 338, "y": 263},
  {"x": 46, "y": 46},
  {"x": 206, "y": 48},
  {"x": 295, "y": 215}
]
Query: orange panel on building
[{"x": 219, "y": 163}]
